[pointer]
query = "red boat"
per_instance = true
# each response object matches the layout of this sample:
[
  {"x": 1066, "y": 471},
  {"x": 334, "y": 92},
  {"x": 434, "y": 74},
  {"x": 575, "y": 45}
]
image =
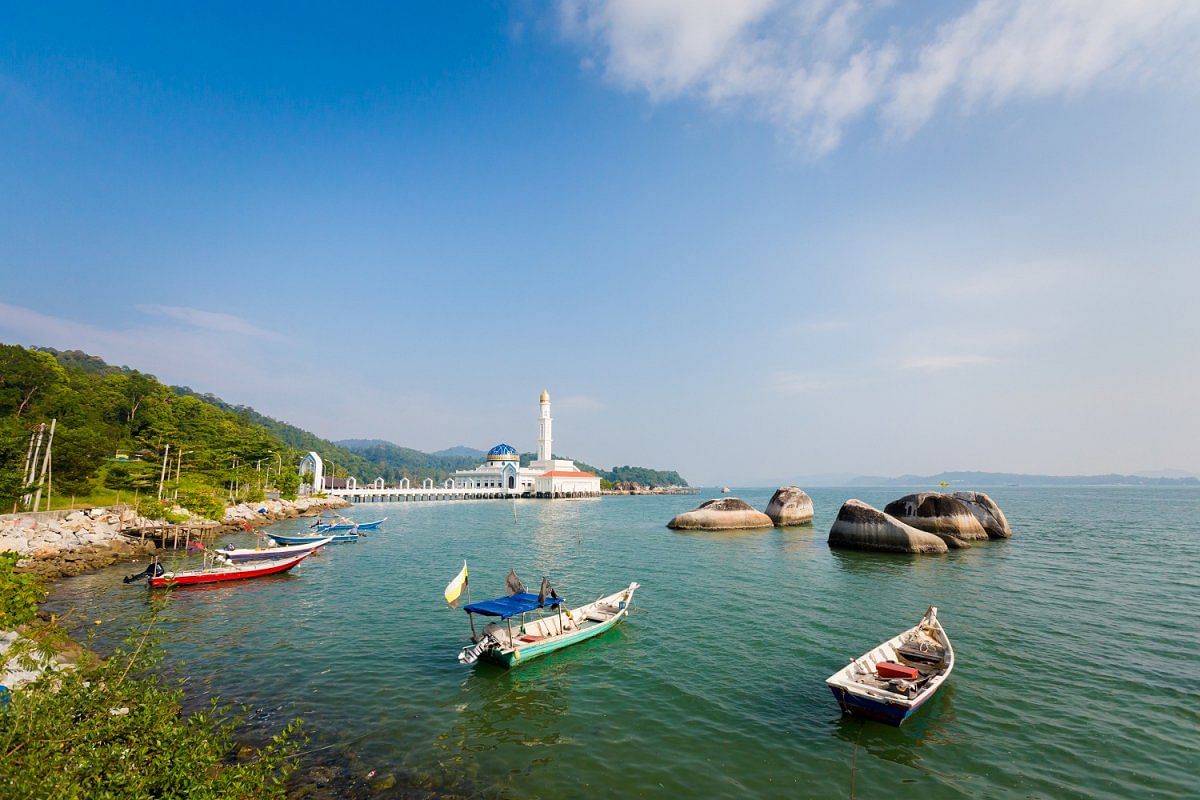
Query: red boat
[{"x": 224, "y": 572}]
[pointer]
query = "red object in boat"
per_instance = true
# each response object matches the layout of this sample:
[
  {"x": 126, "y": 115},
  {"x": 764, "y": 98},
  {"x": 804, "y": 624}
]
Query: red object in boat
[
  {"x": 890, "y": 669},
  {"x": 529, "y": 637},
  {"x": 225, "y": 573}
]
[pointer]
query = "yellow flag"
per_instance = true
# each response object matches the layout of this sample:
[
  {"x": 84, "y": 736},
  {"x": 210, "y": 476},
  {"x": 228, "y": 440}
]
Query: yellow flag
[{"x": 454, "y": 589}]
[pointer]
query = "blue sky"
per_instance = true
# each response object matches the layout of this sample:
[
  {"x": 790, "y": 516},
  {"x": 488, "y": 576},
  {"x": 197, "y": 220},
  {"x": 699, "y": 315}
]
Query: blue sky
[{"x": 748, "y": 239}]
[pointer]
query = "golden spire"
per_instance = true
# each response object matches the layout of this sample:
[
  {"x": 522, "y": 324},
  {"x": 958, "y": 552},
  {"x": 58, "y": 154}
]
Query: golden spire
[{"x": 545, "y": 398}]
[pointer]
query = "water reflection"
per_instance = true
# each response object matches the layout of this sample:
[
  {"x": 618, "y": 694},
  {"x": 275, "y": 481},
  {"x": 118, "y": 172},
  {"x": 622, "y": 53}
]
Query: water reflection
[
  {"x": 857, "y": 562},
  {"x": 929, "y": 727}
]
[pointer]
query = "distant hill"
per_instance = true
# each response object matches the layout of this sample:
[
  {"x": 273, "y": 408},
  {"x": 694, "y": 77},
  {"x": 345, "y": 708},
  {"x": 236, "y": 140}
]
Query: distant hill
[
  {"x": 642, "y": 475},
  {"x": 393, "y": 462},
  {"x": 360, "y": 444},
  {"x": 460, "y": 450},
  {"x": 975, "y": 479}
]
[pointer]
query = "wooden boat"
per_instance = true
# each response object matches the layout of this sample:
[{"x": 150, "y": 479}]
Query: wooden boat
[
  {"x": 156, "y": 578},
  {"x": 312, "y": 538},
  {"x": 238, "y": 555},
  {"x": 340, "y": 523},
  {"x": 510, "y": 645},
  {"x": 895, "y": 679}
]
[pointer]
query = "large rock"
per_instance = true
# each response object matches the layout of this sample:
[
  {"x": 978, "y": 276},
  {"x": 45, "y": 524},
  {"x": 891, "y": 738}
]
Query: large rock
[
  {"x": 939, "y": 514},
  {"x": 987, "y": 512},
  {"x": 860, "y": 527},
  {"x": 728, "y": 513},
  {"x": 790, "y": 505}
]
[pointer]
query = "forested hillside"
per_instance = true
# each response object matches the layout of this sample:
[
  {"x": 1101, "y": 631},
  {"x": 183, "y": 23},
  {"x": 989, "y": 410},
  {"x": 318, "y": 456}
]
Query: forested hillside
[
  {"x": 102, "y": 411},
  {"x": 114, "y": 425}
]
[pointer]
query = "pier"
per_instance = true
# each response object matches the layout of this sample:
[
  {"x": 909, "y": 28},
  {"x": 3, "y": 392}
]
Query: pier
[{"x": 377, "y": 492}]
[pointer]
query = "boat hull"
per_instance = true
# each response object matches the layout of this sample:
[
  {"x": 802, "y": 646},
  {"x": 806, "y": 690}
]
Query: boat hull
[
  {"x": 364, "y": 526},
  {"x": 335, "y": 538},
  {"x": 194, "y": 578},
  {"x": 534, "y": 650},
  {"x": 889, "y": 713},
  {"x": 241, "y": 556}
]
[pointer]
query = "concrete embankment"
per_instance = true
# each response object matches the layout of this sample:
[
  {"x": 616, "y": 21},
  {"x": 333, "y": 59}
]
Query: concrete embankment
[{"x": 64, "y": 543}]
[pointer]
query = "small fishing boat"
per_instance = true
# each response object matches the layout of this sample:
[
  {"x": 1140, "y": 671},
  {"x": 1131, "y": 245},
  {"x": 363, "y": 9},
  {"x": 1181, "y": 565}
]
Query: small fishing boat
[
  {"x": 313, "y": 538},
  {"x": 892, "y": 681},
  {"x": 340, "y": 523},
  {"x": 238, "y": 555},
  {"x": 157, "y": 578},
  {"x": 509, "y": 645}
]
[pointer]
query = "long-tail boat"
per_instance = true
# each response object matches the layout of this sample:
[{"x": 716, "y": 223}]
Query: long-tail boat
[
  {"x": 238, "y": 555},
  {"x": 892, "y": 681},
  {"x": 554, "y": 627},
  {"x": 340, "y": 523},
  {"x": 157, "y": 578},
  {"x": 312, "y": 538}
]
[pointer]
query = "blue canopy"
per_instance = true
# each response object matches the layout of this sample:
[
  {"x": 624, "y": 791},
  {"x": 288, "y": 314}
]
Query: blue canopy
[{"x": 505, "y": 607}]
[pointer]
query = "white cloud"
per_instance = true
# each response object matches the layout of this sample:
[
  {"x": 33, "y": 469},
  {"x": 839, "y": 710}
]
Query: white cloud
[
  {"x": 815, "y": 67},
  {"x": 944, "y": 362},
  {"x": 216, "y": 321}
]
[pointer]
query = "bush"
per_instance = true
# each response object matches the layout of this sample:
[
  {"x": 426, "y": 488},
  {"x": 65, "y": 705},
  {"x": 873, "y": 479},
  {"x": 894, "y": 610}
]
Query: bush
[
  {"x": 115, "y": 729},
  {"x": 19, "y": 594},
  {"x": 205, "y": 505}
]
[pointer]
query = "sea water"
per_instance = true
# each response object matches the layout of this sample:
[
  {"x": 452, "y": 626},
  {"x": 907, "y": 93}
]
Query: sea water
[{"x": 1076, "y": 641}]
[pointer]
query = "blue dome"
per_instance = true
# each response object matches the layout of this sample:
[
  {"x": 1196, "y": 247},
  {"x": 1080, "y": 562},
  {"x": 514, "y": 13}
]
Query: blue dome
[{"x": 502, "y": 450}]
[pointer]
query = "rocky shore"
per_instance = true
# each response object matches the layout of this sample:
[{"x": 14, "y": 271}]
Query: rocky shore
[{"x": 64, "y": 543}]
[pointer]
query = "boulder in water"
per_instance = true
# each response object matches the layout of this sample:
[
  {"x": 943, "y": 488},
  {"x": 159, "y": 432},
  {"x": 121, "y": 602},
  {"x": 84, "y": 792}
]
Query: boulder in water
[
  {"x": 790, "y": 505},
  {"x": 988, "y": 513},
  {"x": 860, "y": 527},
  {"x": 939, "y": 514},
  {"x": 728, "y": 513}
]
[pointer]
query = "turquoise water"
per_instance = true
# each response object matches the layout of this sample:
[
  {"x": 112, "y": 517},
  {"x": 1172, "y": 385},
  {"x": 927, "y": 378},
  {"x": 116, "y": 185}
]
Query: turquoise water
[{"x": 1076, "y": 676}]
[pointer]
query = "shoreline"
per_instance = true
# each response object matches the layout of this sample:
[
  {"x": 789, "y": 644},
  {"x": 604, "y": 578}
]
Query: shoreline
[{"x": 62, "y": 544}]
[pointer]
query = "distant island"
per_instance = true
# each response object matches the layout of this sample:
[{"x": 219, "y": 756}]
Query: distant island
[{"x": 974, "y": 479}]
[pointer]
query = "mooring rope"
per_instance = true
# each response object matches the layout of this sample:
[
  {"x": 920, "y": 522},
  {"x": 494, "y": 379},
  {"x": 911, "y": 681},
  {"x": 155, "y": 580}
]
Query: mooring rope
[{"x": 854, "y": 759}]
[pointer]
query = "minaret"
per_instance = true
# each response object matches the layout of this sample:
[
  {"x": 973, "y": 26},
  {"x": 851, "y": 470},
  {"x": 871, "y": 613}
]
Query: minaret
[{"x": 544, "y": 438}]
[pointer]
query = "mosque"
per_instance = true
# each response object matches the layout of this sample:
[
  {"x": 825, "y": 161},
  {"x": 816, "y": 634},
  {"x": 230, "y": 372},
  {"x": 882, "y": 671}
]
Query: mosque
[{"x": 546, "y": 477}]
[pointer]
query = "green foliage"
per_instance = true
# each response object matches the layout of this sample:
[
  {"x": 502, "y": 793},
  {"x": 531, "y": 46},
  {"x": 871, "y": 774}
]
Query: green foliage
[
  {"x": 288, "y": 484},
  {"x": 204, "y": 504},
  {"x": 646, "y": 476},
  {"x": 115, "y": 729},
  {"x": 641, "y": 475},
  {"x": 19, "y": 593}
]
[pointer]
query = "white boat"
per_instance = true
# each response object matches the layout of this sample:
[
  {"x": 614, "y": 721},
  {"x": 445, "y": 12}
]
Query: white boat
[
  {"x": 892, "y": 681},
  {"x": 546, "y": 633},
  {"x": 237, "y": 555}
]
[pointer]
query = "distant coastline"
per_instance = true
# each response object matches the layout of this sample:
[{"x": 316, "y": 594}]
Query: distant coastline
[{"x": 970, "y": 480}]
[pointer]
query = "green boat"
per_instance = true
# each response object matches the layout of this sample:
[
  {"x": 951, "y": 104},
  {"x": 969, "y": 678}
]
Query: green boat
[{"x": 518, "y": 637}]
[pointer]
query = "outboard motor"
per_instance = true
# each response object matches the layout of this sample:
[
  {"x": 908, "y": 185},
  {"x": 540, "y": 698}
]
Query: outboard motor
[
  {"x": 153, "y": 571},
  {"x": 471, "y": 653}
]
